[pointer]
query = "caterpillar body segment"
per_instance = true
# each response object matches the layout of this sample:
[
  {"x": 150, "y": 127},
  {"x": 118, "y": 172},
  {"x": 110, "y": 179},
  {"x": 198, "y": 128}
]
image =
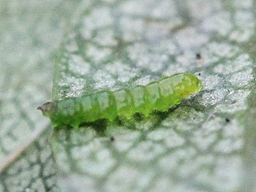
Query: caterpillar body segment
[{"x": 158, "y": 95}]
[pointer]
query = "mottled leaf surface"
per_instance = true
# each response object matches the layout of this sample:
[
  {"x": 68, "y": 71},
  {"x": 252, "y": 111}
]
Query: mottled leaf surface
[
  {"x": 204, "y": 144},
  {"x": 30, "y": 33},
  {"x": 207, "y": 143}
]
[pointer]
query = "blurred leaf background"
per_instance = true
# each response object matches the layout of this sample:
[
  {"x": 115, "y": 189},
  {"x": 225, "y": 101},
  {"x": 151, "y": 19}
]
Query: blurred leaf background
[{"x": 207, "y": 143}]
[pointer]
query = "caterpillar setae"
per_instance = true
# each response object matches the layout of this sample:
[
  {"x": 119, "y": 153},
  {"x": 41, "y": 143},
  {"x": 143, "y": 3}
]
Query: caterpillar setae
[{"x": 158, "y": 95}]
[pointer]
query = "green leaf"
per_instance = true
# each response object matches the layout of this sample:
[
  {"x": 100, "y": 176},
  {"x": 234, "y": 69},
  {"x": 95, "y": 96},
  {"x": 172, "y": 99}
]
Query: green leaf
[{"x": 199, "y": 144}]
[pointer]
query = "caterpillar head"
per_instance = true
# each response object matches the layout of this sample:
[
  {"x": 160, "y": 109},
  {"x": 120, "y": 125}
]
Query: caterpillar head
[{"x": 46, "y": 108}]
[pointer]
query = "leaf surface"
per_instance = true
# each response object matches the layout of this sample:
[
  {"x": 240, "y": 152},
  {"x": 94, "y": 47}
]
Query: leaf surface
[{"x": 29, "y": 35}]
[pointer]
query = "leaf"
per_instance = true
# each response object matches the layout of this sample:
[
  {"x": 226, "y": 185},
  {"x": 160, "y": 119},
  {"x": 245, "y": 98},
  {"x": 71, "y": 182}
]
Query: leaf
[
  {"x": 199, "y": 144},
  {"x": 206, "y": 143}
]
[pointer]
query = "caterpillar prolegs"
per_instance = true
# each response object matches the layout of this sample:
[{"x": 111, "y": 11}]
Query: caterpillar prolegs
[{"x": 158, "y": 95}]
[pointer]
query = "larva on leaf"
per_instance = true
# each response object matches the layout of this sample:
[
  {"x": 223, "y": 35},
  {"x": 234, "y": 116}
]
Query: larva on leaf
[{"x": 158, "y": 95}]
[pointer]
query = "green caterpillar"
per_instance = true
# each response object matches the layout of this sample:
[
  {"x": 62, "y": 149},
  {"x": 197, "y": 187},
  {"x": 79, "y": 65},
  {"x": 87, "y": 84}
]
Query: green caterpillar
[{"x": 157, "y": 95}]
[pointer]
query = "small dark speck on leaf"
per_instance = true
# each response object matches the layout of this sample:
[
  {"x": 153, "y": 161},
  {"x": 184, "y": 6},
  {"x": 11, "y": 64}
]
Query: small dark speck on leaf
[
  {"x": 227, "y": 120},
  {"x": 198, "y": 56},
  {"x": 112, "y": 139},
  {"x": 199, "y": 60}
]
